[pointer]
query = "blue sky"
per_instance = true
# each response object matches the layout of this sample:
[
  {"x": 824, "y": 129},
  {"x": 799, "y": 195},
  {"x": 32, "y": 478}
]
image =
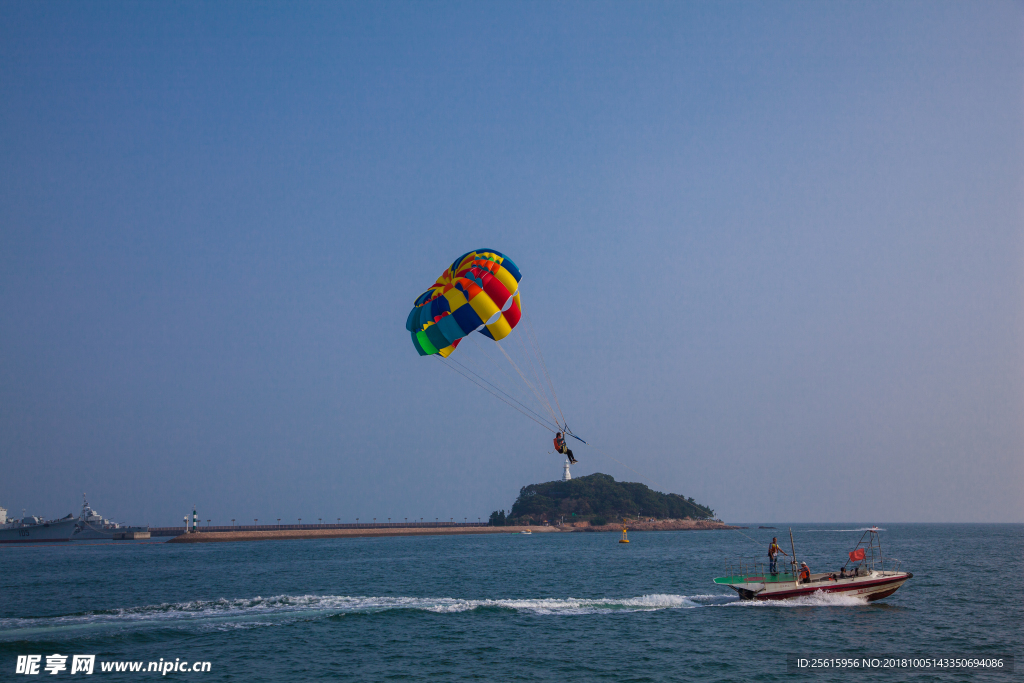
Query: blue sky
[{"x": 773, "y": 253}]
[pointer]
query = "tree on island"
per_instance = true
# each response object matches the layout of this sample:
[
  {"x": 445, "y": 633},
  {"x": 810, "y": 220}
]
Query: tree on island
[
  {"x": 594, "y": 497},
  {"x": 497, "y": 518}
]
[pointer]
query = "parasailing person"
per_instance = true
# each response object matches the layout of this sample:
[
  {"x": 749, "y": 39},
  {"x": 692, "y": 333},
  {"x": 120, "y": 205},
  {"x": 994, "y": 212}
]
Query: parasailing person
[{"x": 562, "y": 448}]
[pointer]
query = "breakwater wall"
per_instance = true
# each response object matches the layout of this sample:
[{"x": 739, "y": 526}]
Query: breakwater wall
[
  {"x": 451, "y": 529},
  {"x": 179, "y": 530}
]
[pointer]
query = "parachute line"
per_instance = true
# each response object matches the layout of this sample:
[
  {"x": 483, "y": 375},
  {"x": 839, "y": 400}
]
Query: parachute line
[
  {"x": 536, "y": 373},
  {"x": 496, "y": 388},
  {"x": 536, "y": 377},
  {"x": 501, "y": 369},
  {"x": 540, "y": 354},
  {"x": 539, "y": 399},
  {"x": 493, "y": 394}
]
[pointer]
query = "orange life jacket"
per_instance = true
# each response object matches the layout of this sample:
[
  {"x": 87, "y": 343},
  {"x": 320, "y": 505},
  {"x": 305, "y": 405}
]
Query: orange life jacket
[
  {"x": 559, "y": 445},
  {"x": 805, "y": 574}
]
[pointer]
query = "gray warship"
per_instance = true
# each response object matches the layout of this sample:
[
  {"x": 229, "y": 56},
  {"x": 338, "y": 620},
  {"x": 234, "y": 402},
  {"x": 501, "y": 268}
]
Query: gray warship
[
  {"x": 32, "y": 529},
  {"x": 92, "y": 526}
]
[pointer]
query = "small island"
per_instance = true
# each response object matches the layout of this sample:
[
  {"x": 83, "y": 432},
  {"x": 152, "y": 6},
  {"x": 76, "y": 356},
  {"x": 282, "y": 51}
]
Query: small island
[
  {"x": 597, "y": 502},
  {"x": 592, "y": 503}
]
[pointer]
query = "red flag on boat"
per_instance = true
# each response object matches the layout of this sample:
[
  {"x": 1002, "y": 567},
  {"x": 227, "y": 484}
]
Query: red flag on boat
[{"x": 857, "y": 554}]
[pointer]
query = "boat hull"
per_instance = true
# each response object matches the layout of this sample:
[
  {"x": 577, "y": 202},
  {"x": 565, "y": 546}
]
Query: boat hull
[
  {"x": 92, "y": 533},
  {"x": 869, "y": 588},
  {"x": 48, "y": 532}
]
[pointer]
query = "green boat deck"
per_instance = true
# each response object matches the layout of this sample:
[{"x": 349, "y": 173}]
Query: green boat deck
[{"x": 755, "y": 578}]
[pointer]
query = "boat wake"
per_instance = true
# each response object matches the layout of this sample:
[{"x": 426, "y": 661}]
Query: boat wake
[
  {"x": 816, "y": 599},
  {"x": 254, "y": 612},
  {"x": 822, "y": 531}
]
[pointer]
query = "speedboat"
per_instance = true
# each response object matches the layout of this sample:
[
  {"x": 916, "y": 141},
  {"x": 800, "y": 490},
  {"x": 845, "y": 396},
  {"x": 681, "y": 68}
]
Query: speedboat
[{"x": 867, "y": 576}]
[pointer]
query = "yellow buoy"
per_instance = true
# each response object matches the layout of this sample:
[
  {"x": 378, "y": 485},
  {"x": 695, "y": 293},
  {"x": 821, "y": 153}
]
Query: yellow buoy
[{"x": 623, "y": 539}]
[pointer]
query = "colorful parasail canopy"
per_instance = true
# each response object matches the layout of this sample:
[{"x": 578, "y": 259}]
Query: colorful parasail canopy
[{"x": 480, "y": 291}]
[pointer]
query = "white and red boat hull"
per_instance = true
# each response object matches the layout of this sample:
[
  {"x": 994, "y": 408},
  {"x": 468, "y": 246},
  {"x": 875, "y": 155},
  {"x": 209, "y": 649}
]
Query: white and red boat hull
[{"x": 874, "y": 586}]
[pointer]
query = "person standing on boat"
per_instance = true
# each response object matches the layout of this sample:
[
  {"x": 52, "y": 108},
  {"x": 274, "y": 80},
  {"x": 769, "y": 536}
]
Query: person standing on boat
[{"x": 773, "y": 554}]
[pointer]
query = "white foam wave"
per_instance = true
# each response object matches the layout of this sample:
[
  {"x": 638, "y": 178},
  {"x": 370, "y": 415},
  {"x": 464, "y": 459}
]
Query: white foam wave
[
  {"x": 250, "y": 612},
  {"x": 309, "y": 605},
  {"x": 815, "y": 599}
]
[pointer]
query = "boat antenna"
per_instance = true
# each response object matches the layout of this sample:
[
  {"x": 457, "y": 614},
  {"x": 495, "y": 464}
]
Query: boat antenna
[
  {"x": 878, "y": 541},
  {"x": 792, "y": 546}
]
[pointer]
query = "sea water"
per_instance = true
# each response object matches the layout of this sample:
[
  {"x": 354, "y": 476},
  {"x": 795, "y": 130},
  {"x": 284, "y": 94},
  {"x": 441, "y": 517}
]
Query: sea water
[{"x": 504, "y": 607}]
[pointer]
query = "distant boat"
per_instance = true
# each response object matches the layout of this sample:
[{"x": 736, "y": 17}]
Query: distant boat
[
  {"x": 36, "y": 530},
  {"x": 94, "y": 526},
  {"x": 869, "y": 578},
  {"x": 526, "y": 532}
]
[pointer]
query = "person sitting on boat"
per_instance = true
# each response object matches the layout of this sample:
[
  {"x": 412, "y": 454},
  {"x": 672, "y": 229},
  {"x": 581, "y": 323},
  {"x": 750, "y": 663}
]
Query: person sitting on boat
[
  {"x": 842, "y": 573},
  {"x": 773, "y": 554},
  {"x": 805, "y": 572},
  {"x": 562, "y": 448}
]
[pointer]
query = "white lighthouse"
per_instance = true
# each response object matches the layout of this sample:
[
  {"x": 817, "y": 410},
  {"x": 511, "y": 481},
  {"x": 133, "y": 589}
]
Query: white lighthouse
[{"x": 565, "y": 471}]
